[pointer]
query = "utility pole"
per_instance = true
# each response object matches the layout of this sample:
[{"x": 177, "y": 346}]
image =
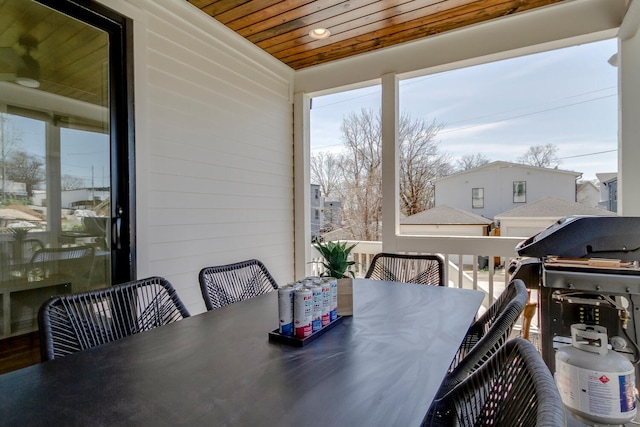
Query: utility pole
[
  {"x": 93, "y": 189},
  {"x": 3, "y": 136}
]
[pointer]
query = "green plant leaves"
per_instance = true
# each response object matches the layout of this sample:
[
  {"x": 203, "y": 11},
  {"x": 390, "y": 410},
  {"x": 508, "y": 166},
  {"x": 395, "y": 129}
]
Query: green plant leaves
[{"x": 336, "y": 258}]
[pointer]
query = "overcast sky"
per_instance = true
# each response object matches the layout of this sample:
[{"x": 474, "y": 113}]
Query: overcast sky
[{"x": 566, "y": 97}]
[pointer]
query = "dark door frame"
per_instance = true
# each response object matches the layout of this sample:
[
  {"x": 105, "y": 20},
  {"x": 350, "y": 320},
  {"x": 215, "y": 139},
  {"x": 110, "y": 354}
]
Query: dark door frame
[{"x": 122, "y": 130}]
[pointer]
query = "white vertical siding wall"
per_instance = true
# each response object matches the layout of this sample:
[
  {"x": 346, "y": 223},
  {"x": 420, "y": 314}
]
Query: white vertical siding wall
[{"x": 214, "y": 148}]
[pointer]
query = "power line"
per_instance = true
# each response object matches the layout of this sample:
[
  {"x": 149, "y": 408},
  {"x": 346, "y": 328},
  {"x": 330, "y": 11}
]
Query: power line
[
  {"x": 528, "y": 114},
  {"x": 588, "y": 154},
  {"x": 509, "y": 118},
  {"x": 524, "y": 108}
]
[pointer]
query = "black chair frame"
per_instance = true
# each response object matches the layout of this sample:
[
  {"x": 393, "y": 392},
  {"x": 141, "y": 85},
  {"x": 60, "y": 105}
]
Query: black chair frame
[
  {"x": 226, "y": 284},
  {"x": 514, "y": 388},
  {"x": 487, "y": 334},
  {"x": 76, "y": 322},
  {"x": 422, "y": 269}
]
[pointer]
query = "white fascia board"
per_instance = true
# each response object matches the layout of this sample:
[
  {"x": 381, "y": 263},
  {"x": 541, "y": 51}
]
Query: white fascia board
[{"x": 546, "y": 28}]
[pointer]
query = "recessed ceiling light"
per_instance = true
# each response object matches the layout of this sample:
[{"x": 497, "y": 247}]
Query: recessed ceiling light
[
  {"x": 319, "y": 33},
  {"x": 27, "y": 82}
]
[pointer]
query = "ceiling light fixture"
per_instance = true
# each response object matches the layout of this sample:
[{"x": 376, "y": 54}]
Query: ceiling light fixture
[
  {"x": 319, "y": 33},
  {"x": 28, "y": 69}
]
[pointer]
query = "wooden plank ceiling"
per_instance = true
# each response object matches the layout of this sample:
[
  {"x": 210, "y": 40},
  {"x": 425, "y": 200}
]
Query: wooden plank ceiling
[
  {"x": 282, "y": 28},
  {"x": 69, "y": 56}
]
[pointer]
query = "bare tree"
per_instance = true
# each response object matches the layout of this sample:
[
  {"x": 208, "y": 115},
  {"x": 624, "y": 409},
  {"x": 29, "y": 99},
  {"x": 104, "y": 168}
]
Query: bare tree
[
  {"x": 360, "y": 186},
  {"x": 421, "y": 163},
  {"x": 362, "y": 175},
  {"x": 542, "y": 156},
  {"x": 10, "y": 138},
  {"x": 70, "y": 182},
  {"x": 471, "y": 161},
  {"x": 325, "y": 171},
  {"x": 27, "y": 168}
]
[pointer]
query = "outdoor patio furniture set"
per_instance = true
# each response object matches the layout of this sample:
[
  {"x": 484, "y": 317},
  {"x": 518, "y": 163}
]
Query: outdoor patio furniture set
[{"x": 491, "y": 380}]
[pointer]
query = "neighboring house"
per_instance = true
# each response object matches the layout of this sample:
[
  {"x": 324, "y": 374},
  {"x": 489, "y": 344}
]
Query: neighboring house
[
  {"x": 332, "y": 214},
  {"x": 588, "y": 194},
  {"x": 445, "y": 220},
  {"x": 500, "y": 186},
  {"x": 325, "y": 215},
  {"x": 316, "y": 211},
  {"x": 608, "y": 191},
  {"x": 13, "y": 189},
  {"x": 532, "y": 218},
  {"x": 83, "y": 198},
  {"x": 337, "y": 234}
]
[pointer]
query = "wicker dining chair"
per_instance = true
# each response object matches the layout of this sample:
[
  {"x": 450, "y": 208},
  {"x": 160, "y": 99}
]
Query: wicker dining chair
[
  {"x": 76, "y": 322},
  {"x": 422, "y": 269},
  {"x": 226, "y": 284},
  {"x": 74, "y": 263},
  {"x": 514, "y": 388},
  {"x": 488, "y": 333}
]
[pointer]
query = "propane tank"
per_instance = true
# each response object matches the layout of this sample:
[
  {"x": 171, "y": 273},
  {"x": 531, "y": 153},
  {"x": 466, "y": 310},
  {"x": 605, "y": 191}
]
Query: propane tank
[{"x": 595, "y": 384}]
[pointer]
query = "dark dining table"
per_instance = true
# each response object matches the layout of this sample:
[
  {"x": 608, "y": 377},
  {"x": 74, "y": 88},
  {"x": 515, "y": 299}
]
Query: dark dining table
[{"x": 381, "y": 367}]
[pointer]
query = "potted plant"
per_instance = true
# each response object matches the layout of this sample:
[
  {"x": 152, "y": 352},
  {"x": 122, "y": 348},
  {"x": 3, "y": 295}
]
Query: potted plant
[
  {"x": 337, "y": 264},
  {"x": 336, "y": 259},
  {"x": 19, "y": 235}
]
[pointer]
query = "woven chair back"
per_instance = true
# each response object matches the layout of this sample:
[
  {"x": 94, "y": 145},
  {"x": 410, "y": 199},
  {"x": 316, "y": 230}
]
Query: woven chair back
[
  {"x": 75, "y": 263},
  {"x": 76, "y": 322},
  {"x": 514, "y": 388},
  {"x": 488, "y": 333},
  {"x": 226, "y": 284},
  {"x": 422, "y": 269}
]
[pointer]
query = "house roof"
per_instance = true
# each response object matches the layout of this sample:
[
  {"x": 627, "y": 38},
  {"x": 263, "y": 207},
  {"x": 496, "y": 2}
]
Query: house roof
[
  {"x": 586, "y": 185},
  {"x": 502, "y": 164},
  {"x": 552, "y": 207},
  {"x": 445, "y": 214},
  {"x": 606, "y": 176},
  {"x": 337, "y": 234}
]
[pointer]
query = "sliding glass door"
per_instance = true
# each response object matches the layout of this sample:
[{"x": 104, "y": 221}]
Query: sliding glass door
[{"x": 65, "y": 155}]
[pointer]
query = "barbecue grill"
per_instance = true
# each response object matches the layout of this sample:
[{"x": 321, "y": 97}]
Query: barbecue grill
[{"x": 586, "y": 270}]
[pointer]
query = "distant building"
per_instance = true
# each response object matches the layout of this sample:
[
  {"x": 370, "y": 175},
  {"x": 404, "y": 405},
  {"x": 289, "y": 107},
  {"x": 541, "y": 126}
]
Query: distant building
[
  {"x": 532, "y": 218},
  {"x": 608, "y": 191},
  {"x": 332, "y": 214},
  {"x": 501, "y": 186},
  {"x": 445, "y": 220},
  {"x": 316, "y": 211},
  {"x": 13, "y": 189},
  {"x": 588, "y": 194},
  {"x": 84, "y": 198},
  {"x": 326, "y": 215}
]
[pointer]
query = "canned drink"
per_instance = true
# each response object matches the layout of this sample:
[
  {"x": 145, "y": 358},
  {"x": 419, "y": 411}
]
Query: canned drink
[
  {"x": 316, "y": 323},
  {"x": 326, "y": 303},
  {"x": 333, "y": 314},
  {"x": 285, "y": 309},
  {"x": 302, "y": 312}
]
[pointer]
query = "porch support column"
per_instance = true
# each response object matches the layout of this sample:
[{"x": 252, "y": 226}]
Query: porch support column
[
  {"x": 390, "y": 174},
  {"x": 628, "y": 113},
  {"x": 54, "y": 187},
  {"x": 301, "y": 184}
]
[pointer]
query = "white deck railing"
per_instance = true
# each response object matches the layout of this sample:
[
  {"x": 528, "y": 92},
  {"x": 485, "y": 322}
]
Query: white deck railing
[{"x": 472, "y": 263}]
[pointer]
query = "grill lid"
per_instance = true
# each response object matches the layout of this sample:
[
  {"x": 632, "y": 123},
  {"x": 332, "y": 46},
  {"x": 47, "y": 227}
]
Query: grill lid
[{"x": 583, "y": 236}]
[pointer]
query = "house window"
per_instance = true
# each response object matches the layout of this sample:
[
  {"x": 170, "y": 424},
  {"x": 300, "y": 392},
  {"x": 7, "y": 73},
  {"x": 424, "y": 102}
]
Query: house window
[
  {"x": 477, "y": 198},
  {"x": 519, "y": 191}
]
